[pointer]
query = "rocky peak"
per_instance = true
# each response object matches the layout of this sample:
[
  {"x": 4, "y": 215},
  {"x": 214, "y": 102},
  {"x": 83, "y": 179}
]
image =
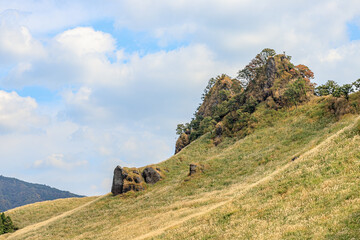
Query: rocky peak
[
  {"x": 223, "y": 89},
  {"x": 228, "y": 104}
]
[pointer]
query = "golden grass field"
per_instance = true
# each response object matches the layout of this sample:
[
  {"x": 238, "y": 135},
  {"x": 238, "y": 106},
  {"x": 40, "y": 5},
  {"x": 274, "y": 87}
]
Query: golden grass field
[{"x": 250, "y": 188}]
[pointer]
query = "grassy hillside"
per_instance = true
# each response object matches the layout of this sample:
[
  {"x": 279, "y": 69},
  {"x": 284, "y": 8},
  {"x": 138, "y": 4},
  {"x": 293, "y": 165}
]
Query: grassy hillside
[
  {"x": 41, "y": 211},
  {"x": 249, "y": 188},
  {"x": 15, "y": 193}
]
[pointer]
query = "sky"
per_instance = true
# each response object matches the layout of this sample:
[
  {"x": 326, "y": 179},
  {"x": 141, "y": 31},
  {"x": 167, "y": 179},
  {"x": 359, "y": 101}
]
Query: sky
[{"x": 89, "y": 85}]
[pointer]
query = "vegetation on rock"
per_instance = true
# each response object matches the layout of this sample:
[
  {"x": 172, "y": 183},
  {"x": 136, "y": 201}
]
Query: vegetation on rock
[
  {"x": 134, "y": 179},
  {"x": 228, "y": 103}
]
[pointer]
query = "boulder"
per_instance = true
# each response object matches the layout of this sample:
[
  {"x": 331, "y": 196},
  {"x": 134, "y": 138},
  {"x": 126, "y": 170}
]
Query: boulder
[
  {"x": 195, "y": 168},
  {"x": 137, "y": 179},
  {"x": 182, "y": 142},
  {"x": 132, "y": 187},
  {"x": 150, "y": 175},
  {"x": 192, "y": 169},
  {"x": 126, "y": 180},
  {"x": 118, "y": 180}
]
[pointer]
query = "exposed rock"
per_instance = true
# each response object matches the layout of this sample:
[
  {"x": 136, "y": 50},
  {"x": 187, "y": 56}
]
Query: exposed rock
[
  {"x": 192, "y": 169},
  {"x": 195, "y": 168},
  {"x": 132, "y": 187},
  {"x": 137, "y": 179},
  {"x": 125, "y": 180},
  {"x": 118, "y": 180},
  {"x": 215, "y": 96},
  {"x": 150, "y": 175},
  {"x": 182, "y": 142},
  {"x": 294, "y": 158},
  {"x": 270, "y": 71},
  {"x": 219, "y": 129}
]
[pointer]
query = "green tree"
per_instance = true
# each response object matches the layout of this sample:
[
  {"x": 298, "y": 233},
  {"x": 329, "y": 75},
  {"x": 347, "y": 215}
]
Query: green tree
[
  {"x": 330, "y": 87},
  {"x": 1, "y": 227},
  {"x": 356, "y": 84},
  {"x": 210, "y": 84},
  {"x": 346, "y": 89},
  {"x": 180, "y": 129},
  {"x": 251, "y": 70},
  {"x": 6, "y": 224},
  {"x": 295, "y": 92},
  {"x": 207, "y": 125}
]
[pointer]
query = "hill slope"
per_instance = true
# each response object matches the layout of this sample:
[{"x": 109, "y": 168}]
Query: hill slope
[
  {"x": 15, "y": 193},
  {"x": 274, "y": 163},
  {"x": 250, "y": 187}
]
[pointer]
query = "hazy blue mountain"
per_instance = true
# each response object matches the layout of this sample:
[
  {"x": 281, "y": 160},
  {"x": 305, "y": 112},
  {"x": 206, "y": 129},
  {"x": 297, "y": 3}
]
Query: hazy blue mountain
[{"x": 15, "y": 193}]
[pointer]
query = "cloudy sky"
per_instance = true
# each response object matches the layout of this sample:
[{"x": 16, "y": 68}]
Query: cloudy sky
[{"x": 87, "y": 85}]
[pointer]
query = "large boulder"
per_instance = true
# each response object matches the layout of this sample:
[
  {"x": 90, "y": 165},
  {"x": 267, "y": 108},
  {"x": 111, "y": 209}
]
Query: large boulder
[
  {"x": 125, "y": 180},
  {"x": 118, "y": 181},
  {"x": 182, "y": 142},
  {"x": 150, "y": 175}
]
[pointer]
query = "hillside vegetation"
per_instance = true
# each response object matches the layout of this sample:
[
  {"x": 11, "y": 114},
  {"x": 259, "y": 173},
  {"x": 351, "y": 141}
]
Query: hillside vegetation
[{"x": 290, "y": 172}]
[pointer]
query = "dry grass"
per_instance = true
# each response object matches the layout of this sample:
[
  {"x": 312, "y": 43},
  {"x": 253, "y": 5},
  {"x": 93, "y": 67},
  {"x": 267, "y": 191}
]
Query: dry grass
[
  {"x": 41, "y": 211},
  {"x": 249, "y": 189}
]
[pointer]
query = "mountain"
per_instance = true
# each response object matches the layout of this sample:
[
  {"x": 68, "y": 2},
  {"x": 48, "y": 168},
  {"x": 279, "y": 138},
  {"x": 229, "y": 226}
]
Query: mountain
[
  {"x": 266, "y": 156},
  {"x": 15, "y": 193}
]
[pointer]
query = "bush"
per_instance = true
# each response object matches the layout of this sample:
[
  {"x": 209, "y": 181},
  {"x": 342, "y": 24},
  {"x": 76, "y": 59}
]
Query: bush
[{"x": 6, "y": 224}]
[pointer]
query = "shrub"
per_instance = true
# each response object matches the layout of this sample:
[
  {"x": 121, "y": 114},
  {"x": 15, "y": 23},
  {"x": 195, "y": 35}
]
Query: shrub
[{"x": 6, "y": 224}]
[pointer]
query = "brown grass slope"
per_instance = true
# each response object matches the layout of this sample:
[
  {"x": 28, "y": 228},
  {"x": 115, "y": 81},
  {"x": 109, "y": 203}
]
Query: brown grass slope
[{"x": 250, "y": 188}]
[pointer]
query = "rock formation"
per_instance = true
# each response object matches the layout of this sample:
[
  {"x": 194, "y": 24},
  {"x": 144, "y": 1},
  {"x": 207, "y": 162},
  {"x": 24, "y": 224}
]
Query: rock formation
[
  {"x": 130, "y": 179},
  {"x": 151, "y": 175},
  {"x": 228, "y": 104},
  {"x": 195, "y": 168},
  {"x": 118, "y": 180},
  {"x": 182, "y": 142},
  {"x": 192, "y": 169}
]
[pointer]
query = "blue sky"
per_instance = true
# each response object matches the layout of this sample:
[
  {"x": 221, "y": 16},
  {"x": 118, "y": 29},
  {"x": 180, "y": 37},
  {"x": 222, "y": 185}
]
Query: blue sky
[{"x": 88, "y": 85}]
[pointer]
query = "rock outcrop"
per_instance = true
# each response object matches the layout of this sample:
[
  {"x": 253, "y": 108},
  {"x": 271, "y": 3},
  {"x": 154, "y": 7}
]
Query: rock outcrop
[
  {"x": 151, "y": 175},
  {"x": 133, "y": 182},
  {"x": 182, "y": 142},
  {"x": 130, "y": 179},
  {"x": 192, "y": 169},
  {"x": 195, "y": 168},
  {"x": 118, "y": 181},
  {"x": 223, "y": 89}
]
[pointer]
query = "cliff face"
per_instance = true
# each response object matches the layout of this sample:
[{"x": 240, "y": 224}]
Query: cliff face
[
  {"x": 268, "y": 79},
  {"x": 223, "y": 89}
]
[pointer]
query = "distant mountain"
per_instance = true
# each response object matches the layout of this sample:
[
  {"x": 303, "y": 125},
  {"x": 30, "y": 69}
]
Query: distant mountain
[{"x": 15, "y": 193}]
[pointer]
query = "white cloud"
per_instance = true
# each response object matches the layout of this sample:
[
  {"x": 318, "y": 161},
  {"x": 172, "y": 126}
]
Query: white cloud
[
  {"x": 17, "y": 44},
  {"x": 57, "y": 161},
  {"x": 84, "y": 41},
  {"x": 18, "y": 114}
]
